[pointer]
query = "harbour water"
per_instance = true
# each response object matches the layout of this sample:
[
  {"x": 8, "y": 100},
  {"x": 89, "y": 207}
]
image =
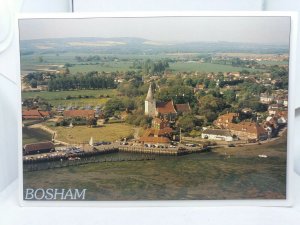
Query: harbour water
[{"x": 225, "y": 173}]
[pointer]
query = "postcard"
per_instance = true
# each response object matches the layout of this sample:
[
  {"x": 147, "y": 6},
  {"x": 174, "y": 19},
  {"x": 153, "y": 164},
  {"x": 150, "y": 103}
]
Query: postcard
[{"x": 155, "y": 108}]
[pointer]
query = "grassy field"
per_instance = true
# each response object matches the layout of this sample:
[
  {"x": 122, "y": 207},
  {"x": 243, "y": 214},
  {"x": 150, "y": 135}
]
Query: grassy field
[
  {"x": 80, "y": 134},
  {"x": 56, "y": 95},
  {"x": 204, "y": 67},
  {"x": 56, "y": 98},
  {"x": 79, "y": 102},
  {"x": 35, "y": 135},
  {"x": 197, "y": 176},
  {"x": 31, "y": 62},
  {"x": 274, "y": 62},
  {"x": 106, "y": 67}
]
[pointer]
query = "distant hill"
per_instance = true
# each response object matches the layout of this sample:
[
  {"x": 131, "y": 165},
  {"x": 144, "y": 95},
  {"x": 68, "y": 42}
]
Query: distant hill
[{"x": 129, "y": 45}]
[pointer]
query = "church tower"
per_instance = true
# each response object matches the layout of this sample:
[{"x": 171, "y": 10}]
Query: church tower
[{"x": 150, "y": 103}]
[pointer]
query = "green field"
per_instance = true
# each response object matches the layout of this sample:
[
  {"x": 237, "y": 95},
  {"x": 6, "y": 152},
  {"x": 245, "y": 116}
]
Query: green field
[
  {"x": 56, "y": 98},
  {"x": 205, "y": 67},
  {"x": 54, "y": 95},
  {"x": 106, "y": 67},
  {"x": 274, "y": 62},
  {"x": 31, "y": 62},
  {"x": 79, "y": 102},
  {"x": 82, "y": 134}
]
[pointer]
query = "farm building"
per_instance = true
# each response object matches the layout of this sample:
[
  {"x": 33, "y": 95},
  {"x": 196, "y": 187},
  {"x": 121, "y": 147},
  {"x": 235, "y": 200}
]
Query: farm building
[
  {"x": 40, "y": 147},
  {"x": 217, "y": 134},
  {"x": 32, "y": 114},
  {"x": 86, "y": 114}
]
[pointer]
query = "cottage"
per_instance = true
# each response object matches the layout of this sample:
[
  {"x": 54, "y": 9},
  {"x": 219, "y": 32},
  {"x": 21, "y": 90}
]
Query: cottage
[
  {"x": 159, "y": 133},
  {"x": 265, "y": 98},
  {"x": 248, "y": 131},
  {"x": 183, "y": 108},
  {"x": 199, "y": 87},
  {"x": 162, "y": 141},
  {"x": 35, "y": 114},
  {"x": 217, "y": 134},
  {"x": 40, "y": 147},
  {"x": 224, "y": 120},
  {"x": 86, "y": 114}
]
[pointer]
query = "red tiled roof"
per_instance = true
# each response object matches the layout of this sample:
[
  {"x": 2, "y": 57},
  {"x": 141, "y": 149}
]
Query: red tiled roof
[
  {"x": 158, "y": 132},
  {"x": 155, "y": 140},
  {"x": 223, "y": 120},
  {"x": 34, "y": 114},
  {"x": 282, "y": 113},
  {"x": 165, "y": 107},
  {"x": 79, "y": 113},
  {"x": 164, "y": 131},
  {"x": 39, "y": 146},
  {"x": 228, "y": 116},
  {"x": 182, "y": 108},
  {"x": 45, "y": 113},
  {"x": 249, "y": 127}
]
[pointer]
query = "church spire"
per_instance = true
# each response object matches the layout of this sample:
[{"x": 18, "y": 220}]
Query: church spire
[{"x": 149, "y": 94}]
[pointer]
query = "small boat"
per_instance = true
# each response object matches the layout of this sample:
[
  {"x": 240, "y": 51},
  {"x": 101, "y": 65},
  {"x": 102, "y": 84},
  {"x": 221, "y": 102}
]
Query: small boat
[{"x": 262, "y": 156}]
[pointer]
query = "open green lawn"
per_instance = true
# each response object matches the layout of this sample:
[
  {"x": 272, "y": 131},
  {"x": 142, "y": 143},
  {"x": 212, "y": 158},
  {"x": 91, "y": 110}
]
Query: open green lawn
[
  {"x": 106, "y": 67},
  {"x": 80, "y": 102},
  {"x": 274, "y": 62},
  {"x": 82, "y": 134},
  {"x": 205, "y": 67},
  {"x": 56, "y": 98},
  {"x": 55, "y": 95}
]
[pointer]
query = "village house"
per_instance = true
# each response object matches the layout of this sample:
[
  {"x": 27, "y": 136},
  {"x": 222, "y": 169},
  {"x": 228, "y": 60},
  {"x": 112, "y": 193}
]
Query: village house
[
  {"x": 243, "y": 130},
  {"x": 199, "y": 87},
  {"x": 83, "y": 114},
  {"x": 217, "y": 134},
  {"x": 266, "y": 98},
  {"x": 275, "y": 108},
  {"x": 183, "y": 108},
  {"x": 248, "y": 131},
  {"x": 285, "y": 102},
  {"x": 223, "y": 121},
  {"x": 35, "y": 114},
  {"x": 159, "y": 133},
  {"x": 40, "y": 147},
  {"x": 282, "y": 117}
]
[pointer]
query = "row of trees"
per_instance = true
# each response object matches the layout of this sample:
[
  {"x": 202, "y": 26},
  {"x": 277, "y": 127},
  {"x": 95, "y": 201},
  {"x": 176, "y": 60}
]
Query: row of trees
[
  {"x": 150, "y": 67},
  {"x": 38, "y": 78},
  {"x": 82, "y": 82},
  {"x": 95, "y": 58}
]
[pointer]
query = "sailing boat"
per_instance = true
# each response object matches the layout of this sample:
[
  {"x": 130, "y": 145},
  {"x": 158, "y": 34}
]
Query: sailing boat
[{"x": 91, "y": 142}]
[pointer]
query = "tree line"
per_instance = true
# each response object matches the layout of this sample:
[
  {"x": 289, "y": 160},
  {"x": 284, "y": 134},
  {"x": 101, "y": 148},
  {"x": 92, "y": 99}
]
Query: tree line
[
  {"x": 150, "y": 67},
  {"x": 83, "y": 82}
]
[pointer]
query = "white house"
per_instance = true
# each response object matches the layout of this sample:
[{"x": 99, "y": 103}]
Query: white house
[{"x": 217, "y": 134}]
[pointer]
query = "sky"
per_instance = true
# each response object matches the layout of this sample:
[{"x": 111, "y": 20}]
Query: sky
[{"x": 266, "y": 30}]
